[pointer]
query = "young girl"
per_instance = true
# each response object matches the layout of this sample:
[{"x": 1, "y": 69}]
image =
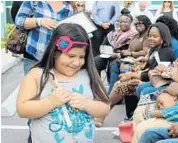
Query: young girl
[{"x": 63, "y": 92}]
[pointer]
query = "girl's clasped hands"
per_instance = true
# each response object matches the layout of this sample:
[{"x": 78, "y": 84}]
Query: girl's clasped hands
[{"x": 62, "y": 96}]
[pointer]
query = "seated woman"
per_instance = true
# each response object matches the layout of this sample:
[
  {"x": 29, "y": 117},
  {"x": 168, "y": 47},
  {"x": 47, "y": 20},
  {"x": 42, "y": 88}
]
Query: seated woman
[
  {"x": 147, "y": 87},
  {"x": 159, "y": 42},
  {"x": 119, "y": 39},
  {"x": 167, "y": 103},
  {"x": 137, "y": 47}
]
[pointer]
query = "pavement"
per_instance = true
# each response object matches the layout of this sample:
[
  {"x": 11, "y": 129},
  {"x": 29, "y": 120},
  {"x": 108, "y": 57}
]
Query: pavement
[
  {"x": 8, "y": 61},
  {"x": 15, "y": 129}
]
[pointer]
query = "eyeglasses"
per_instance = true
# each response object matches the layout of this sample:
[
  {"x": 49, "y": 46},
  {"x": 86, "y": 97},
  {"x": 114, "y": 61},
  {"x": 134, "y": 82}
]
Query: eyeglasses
[
  {"x": 138, "y": 23},
  {"x": 80, "y": 5},
  {"x": 123, "y": 22}
]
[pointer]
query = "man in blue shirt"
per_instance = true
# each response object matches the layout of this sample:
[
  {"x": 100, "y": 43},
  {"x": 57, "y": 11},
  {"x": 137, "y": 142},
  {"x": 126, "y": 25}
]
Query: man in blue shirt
[{"x": 105, "y": 14}]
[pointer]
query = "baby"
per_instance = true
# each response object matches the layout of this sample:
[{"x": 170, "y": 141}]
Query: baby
[{"x": 167, "y": 104}]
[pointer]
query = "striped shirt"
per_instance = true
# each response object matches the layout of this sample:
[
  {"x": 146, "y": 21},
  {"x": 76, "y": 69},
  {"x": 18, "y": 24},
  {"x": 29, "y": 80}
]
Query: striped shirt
[
  {"x": 171, "y": 114},
  {"x": 38, "y": 38}
]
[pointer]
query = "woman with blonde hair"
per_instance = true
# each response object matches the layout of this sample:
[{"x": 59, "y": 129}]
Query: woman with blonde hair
[{"x": 167, "y": 9}]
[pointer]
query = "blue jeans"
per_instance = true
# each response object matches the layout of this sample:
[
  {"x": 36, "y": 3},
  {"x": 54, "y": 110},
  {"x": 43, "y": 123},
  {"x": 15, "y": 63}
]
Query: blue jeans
[
  {"x": 146, "y": 88},
  {"x": 114, "y": 75},
  {"x": 28, "y": 64},
  {"x": 157, "y": 135}
]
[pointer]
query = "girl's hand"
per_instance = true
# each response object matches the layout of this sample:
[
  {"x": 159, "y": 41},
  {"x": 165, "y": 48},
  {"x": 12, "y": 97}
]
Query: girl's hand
[
  {"x": 48, "y": 23},
  {"x": 60, "y": 97},
  {"x": 78, "y": 101}
]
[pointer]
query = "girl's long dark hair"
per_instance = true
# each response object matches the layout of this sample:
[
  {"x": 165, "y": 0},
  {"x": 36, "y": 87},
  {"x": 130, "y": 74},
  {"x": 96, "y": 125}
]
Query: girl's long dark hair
[{"x": 76, "y": 33}]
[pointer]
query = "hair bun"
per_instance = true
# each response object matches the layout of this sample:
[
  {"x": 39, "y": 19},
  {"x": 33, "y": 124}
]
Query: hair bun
[{"x": 125, "y": 11}]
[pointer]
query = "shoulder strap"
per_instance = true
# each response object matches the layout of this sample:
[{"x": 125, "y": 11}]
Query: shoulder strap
[{"x": 156, "y": 55}]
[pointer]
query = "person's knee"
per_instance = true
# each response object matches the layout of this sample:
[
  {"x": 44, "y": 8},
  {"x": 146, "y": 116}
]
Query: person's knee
[
  {"x": 98, "y": 34},
  {"x": 100, "y": 63},
  {"x": 138, "y": 90},
  {"x": 114, "y": 68},
  {"x": 146, "y": 90},
  {"x": 147, "y": 137}
]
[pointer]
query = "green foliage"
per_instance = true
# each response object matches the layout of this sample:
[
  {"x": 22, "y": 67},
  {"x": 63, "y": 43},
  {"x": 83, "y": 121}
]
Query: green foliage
[{"x": 7, "y": 30}]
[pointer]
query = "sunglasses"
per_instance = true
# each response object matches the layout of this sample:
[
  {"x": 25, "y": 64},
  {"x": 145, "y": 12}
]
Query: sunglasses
[
  {"x": 80, "y": 5},
  {"x": 138, "y": 23},
  {"x": 64, "y": 44},
  {"x": 167, "y": 1}
]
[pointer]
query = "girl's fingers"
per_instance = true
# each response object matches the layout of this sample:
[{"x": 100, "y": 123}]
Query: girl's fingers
[{"x": 66, "y": 99}]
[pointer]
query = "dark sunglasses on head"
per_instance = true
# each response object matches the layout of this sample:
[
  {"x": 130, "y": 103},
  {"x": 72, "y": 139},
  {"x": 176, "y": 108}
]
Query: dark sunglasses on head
[
  {"x": 80, "y": 5},
  {"x": 168, "y": 1},
  {"x": 129, "y": 3}
]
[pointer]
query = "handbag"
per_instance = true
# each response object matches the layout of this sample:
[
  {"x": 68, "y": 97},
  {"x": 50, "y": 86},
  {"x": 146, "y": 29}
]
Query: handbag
[
  {"x": 126, "y": 88},
  {"x": 17, "y": 38}
]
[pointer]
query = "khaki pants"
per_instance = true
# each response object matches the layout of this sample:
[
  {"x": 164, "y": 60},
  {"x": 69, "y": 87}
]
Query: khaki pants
[{"x": 140, "y": 124}]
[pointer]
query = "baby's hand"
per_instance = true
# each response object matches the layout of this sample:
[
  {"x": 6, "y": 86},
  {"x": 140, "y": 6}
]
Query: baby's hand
[{"x": 78, "y": 101}]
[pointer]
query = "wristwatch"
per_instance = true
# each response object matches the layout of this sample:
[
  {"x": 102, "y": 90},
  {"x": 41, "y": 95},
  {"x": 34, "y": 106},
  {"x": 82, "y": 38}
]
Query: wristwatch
[{"x": 38, "y": 22}]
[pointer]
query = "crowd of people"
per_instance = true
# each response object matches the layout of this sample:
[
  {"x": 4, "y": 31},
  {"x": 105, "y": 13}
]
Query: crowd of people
[{"x": 61, "y": 107}]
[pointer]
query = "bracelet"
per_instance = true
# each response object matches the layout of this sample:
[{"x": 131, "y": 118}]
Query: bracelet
[{"x": 39, "y": 22}]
